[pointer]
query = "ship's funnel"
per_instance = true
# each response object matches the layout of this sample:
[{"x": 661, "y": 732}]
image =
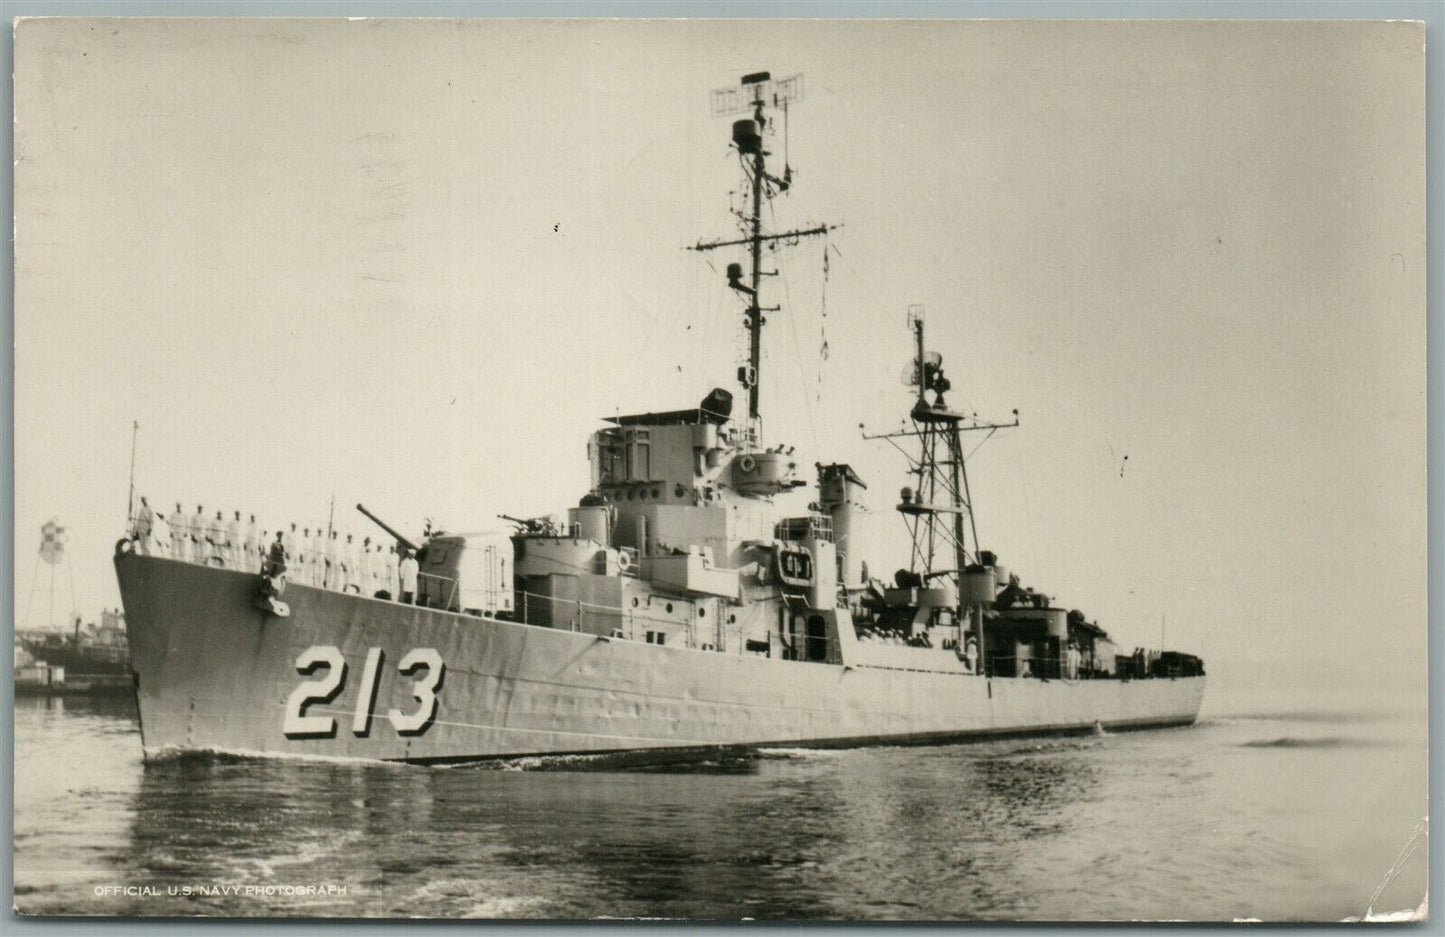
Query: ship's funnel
[{"x": 838, "y": 487}]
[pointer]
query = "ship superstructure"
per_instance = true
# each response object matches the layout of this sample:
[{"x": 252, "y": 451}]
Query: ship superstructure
[{"x": 674, "y": 606}]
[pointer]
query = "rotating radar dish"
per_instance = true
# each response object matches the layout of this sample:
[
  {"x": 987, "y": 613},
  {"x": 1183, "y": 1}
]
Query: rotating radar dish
[{"x": 932, "y": 361}]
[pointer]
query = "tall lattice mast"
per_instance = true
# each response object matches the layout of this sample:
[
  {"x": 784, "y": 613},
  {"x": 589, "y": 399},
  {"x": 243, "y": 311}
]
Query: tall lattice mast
[{"x": 937, "y": 507}]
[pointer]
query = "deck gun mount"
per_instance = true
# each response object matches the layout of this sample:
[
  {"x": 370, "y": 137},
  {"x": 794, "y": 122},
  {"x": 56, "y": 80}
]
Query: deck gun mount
[{"x": 388, "y": 528}]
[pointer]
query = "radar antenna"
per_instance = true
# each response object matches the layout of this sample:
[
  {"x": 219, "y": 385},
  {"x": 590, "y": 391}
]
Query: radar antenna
[{"x": 756, "y": 93}]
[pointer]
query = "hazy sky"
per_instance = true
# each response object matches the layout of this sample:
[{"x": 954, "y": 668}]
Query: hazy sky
[{"x": 411, "y": 263}]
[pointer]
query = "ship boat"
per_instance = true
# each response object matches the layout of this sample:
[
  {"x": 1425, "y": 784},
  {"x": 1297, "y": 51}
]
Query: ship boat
[{"x": 673, "y": 611}]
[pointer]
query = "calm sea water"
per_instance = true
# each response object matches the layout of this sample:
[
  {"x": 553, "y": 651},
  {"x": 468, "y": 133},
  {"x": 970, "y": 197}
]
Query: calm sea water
[{"x": 1269, "y": 813}]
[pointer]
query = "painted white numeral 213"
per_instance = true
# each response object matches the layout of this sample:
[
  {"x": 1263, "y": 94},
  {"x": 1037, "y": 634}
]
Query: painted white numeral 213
[{"x": 298, "y": 725}]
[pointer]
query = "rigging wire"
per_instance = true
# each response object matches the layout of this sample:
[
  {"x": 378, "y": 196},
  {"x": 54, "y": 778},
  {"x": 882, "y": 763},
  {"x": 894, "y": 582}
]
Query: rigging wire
[
  {"x": 823, "y": 320},
  {"x": 980, "y": 444},
  {"x": 798, "y": 353},
  {"x": 797, "y": 341},
  {"x": 882, "y": 307},
  {"x": 34, "y": 578},
  {"x": 787, "y": 167}
]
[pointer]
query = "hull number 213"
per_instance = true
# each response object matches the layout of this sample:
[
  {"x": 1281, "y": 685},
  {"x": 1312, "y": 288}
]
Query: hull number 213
[{"x": 424, "y": 665}]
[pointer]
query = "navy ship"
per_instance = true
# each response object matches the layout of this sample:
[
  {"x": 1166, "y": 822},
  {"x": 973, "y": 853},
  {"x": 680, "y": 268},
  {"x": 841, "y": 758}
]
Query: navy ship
[
  {"x": 89, "y": 650},
  {"x": 674, "y": 610},
  {"x": 91, "y": 659}
]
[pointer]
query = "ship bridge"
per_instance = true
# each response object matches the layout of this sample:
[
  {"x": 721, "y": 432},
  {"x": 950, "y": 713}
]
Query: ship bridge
[{"x": 682, "y": 479}]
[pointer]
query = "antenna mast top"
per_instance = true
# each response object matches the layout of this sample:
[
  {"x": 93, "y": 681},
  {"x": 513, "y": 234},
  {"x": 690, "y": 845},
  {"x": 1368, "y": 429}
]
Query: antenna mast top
[
  {"x": 759, "y": 86},
  {"x": 937, "y": 507},
  {"x": 755, "y": 93}
]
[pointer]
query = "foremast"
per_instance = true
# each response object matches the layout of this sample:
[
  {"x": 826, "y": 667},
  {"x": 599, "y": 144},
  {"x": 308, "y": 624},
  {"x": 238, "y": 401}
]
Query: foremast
[{"x": 757, "y": 92}]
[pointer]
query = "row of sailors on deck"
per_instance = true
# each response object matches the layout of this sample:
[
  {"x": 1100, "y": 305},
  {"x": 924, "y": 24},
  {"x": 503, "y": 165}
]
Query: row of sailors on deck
[
  {"x": 1069, "y": 665},
  {"x": 312, "y": 557},
  {"x": 894, "y": 636}
]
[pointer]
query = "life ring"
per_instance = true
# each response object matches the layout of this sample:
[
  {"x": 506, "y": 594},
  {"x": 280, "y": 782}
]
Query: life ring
[
  {"x": 747, "y": 463},
  {"x": 624, "y": 561},
  {"x": 124, "y": 545}
]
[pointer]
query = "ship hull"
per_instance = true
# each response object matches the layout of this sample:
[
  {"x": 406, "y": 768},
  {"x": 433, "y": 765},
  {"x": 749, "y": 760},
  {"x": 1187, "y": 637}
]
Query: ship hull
[
  {"x": 385, "y": 681},
  {"x": 82, "y": 661}
]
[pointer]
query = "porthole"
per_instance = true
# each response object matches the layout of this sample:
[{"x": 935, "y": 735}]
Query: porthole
[
  {"x": 634, "y": 601},
  {"x": 669, "y": 608},
  {"x": 732, "y": 619},
  {"x": 679, "y": 491},
  {"x": 657, "y": 491},
  {"x": 702, "y": 613}
]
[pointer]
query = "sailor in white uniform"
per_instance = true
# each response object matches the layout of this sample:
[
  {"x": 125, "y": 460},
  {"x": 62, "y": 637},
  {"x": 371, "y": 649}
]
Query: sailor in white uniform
[
  {"x": 970, "y": 654},
  {"x": 180, "y": 540},
  {"x": 251, "y": 546},
  {"x": 409, "y": 574},
  {"x": 349, "y": 565},
  {"x": 318, "y": 558},
  {"x": 141, "y": 529},
  {"x": 233, "y": 543},
  {"x": 333, "y": 562},
  {"x": 292, "y": 543},
  {"x": 378, "y": 568},
  {"x": 321, "y": 544},
  {"x": 367, "y": 572},
  {"x": 308, "y": 556},
  {"x": 161, "y": 541},
  {"x": 385, "y": 571},
  {"x": 196, "y": 529},
  {"x": 216, "y": 540}
]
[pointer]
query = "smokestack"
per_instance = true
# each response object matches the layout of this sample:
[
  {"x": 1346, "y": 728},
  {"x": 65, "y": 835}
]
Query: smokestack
[{"x": 838, "y": 487}]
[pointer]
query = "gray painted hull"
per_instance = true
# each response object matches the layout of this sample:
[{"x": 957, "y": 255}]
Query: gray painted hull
[{"x": 214, "y": 673}]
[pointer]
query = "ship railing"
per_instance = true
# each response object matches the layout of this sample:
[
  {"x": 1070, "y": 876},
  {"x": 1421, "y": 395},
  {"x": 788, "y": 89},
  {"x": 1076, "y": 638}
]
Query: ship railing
[
  {"x": 812, "y": 527},
  {"x": 557, "y": 606},
  {"x": 817, "y": 649},
  {"x": 747, "y": 436},
  {"x": 1049, "y": 667},
  {"x": 557, "y": 600}
]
